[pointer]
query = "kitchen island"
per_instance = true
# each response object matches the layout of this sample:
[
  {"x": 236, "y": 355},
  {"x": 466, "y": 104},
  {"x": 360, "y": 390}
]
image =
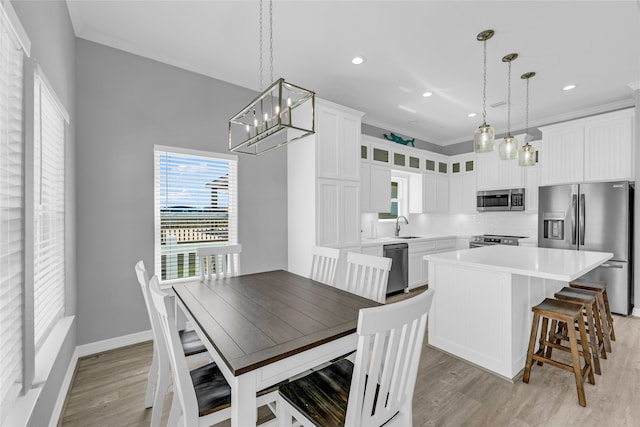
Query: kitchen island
[{"x": 483, "y": 297}]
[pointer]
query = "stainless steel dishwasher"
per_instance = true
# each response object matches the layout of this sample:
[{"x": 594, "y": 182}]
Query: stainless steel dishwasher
[{"x": 399, "y": 274}]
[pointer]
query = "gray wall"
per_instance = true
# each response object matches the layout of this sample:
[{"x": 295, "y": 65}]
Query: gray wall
[
  {"x": 53, "y": 47},
  {"x": 126, "y": 104}
]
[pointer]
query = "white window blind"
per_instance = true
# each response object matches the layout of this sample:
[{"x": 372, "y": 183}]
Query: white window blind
[
  {"x": 196, "y": 199},
  {"x": 11, "y": 218},
  {"x": 49, "y": 203}
]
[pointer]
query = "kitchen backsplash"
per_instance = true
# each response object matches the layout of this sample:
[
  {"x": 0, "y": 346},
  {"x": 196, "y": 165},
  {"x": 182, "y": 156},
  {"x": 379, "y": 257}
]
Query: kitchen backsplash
[{"x": 505, "y": 223}]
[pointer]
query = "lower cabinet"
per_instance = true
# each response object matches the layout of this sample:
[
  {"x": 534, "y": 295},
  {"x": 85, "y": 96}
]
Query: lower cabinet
[{"x": 418, "y": 267}]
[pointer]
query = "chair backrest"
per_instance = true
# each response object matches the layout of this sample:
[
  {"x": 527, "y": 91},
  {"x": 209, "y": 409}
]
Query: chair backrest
[
  {"x": 324, "y": 264},
  {"x": 367, "y": 276},
  {"x": 224, "y": 261},
  {"x": 164, "y": 305},
  {"x": 389, "y": 345},
  {"x": 143, "y": 280}
]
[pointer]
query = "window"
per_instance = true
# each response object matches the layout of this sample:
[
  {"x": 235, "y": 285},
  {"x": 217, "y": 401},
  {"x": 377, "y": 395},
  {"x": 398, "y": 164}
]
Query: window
[
  {"x": 49, "y": 211},
  {"x": 12, "y": 205},
  {"x": 399, "y": 199},
  {"x": 11, "y": 219},
  {"x": 196, "y": 199}
]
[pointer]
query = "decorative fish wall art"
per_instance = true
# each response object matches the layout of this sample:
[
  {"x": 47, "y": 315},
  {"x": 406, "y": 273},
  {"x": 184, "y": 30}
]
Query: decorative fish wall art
[{"x": 395, "y": 138}]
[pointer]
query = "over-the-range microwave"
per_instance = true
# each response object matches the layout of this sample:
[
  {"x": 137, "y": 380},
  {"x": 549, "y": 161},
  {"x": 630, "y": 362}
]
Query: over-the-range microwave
[{"x": 500, "y": 200}]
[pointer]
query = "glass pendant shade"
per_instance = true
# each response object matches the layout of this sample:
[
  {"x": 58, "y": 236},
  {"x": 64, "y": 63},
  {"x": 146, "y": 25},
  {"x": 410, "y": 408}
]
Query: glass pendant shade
[
  {"x": 509, "y": 148},
  {"x": 484, "y": 139},
  {"x": 527, "y": 155}
]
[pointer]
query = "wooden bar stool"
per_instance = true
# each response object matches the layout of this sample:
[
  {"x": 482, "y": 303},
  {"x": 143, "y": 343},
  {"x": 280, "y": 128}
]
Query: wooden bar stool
[
  {"x": 591, "y": 317},
  {"x": 600, "y": 286},
  {"x": 569, "y": 313}
]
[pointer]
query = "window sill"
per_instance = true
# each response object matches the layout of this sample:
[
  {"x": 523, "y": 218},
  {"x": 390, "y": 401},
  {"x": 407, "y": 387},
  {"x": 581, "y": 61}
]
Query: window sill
[
  {"x": 23, "y": 408},
  {"x": 48, "y": 353}
]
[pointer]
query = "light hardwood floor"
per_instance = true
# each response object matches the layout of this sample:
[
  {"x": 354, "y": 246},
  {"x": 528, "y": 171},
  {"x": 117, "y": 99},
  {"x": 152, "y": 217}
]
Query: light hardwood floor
[{"x": 108, "y": 390}]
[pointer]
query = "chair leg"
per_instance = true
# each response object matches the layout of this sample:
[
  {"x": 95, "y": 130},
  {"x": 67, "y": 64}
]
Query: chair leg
[
  {"x": 543, "y": 338},
  {"x": 592, "y": 338},
  {"x": 284, "y": 418},
  {"x": 599, "y": 331},
  {"x": 586, "y": 352},
  {"x": 176, "y": 411},
  {"x": 609, "y": 318},
  {"x": 555, "y": 330},
  {"x": 161, "y": 391},
  {"x": 575, "y": 356},
  {"x": 532, "y": 344},
  {"x": 152, "y": 380},
  {"x": 604, "y": 321}
]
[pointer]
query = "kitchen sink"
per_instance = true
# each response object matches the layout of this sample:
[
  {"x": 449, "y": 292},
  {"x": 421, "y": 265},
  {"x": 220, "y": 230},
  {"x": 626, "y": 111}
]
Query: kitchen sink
[{"x": 407, "y": 237}]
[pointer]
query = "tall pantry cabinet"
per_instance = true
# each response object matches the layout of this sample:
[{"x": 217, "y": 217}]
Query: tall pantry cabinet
[{"x": 323, "y": 186}]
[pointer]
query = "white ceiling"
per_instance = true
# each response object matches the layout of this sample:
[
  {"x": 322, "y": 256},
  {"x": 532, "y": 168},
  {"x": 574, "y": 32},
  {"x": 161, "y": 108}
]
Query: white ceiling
[{"x": 410, "y": 47}]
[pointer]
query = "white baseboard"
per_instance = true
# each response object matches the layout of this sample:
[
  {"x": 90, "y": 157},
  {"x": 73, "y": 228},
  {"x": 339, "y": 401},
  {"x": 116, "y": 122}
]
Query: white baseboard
[
  {"x": 113, "y": 343},
  {"x": 64, "y": 390},
  {"x": 636, "y": 312}
]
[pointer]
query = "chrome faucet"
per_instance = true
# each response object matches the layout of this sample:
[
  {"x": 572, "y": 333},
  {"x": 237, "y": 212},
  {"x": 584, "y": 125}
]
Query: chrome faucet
[{"x": 406, "y": 221}]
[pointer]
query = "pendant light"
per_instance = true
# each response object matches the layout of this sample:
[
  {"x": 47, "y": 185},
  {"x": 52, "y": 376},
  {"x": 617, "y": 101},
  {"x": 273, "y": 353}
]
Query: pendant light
[
  {"x": 282, "y": 113},
  {"x": 527, "y": 153},
  {"x": 509, "y": 145},
  {"x": 484, "y": 136}
]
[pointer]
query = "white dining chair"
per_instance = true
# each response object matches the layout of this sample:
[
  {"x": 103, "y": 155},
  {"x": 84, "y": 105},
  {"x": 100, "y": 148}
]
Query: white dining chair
[
  {"x": 202, "y": 397},
  {"x": 224, "y": 261},
  {"x": 192, "y": 348},
  {"x": 367, "y": 276},
  {"x": 324, "y": 265},
  {"x": 390, "y": 341}
]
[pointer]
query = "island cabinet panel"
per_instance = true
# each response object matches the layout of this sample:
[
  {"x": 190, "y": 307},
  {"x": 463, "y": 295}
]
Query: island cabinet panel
[{"x": 484, "y": 316}]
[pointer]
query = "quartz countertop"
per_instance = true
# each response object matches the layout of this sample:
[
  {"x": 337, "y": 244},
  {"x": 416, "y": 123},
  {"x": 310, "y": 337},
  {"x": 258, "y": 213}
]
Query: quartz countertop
[
  {"x": 391, "y": 239},
  {"x": 555, "y": 264}
]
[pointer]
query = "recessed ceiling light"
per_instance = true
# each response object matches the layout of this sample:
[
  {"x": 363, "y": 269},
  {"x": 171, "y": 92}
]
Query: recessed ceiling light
[
  {"x": 427, "y": 94},
  {"x": 410, "y": 110},
  {"x": 569, "y": 87},
  {"x": 471, "y": 115},
  {"x": 357, "y": 60}
]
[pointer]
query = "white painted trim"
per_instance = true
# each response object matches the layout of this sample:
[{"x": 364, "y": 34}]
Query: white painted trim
[
  {"x": 113, "y": 343},
  {"x": 22, "y": 409},
  {"x": 634, "y": 85},
  {"x": 39, "y": 74},
  {"x": 636, "y": 312},
  {"x": 64, "y": 390},
  {"x": 16, "y": 26},
  {"x": 191, "y": 152},
  {"x": 47, "y": 354}
]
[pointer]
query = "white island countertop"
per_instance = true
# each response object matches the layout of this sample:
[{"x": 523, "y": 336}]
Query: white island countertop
[
  {"x": 368, "y": 241},
  {"x": 555, "y": 264}
]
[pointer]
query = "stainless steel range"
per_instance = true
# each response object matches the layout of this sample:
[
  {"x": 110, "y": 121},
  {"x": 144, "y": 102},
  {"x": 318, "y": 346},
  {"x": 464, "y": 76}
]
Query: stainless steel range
[{"x": 493, "y": 239}]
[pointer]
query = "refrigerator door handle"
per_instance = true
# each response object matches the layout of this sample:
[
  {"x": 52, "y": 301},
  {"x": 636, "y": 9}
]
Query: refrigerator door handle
[
  {"x": 574, "y": 207},
  {"x": 581, "y": 219},
  {"x": 607, "y": 265}
]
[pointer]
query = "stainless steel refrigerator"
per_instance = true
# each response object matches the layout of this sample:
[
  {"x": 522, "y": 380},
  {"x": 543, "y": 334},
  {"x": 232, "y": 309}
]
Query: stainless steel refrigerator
[{"x": 593, "y": 217}]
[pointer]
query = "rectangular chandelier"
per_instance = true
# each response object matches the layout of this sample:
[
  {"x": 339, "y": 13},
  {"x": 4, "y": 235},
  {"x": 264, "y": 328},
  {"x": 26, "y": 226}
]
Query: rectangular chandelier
[{"x": 281, "y": 114}]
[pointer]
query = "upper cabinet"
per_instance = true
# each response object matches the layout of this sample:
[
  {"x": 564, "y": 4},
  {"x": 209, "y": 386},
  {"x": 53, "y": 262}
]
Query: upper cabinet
[
  {"x": 598, "y": 148},
  {"x": 334, "y": 126},
  {"x": 462, "y": 184},
  {"x": 494, "y": 173}
]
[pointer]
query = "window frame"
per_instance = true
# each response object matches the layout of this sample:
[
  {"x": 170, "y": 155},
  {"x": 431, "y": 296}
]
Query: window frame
[{"x": 232, "y": 208}]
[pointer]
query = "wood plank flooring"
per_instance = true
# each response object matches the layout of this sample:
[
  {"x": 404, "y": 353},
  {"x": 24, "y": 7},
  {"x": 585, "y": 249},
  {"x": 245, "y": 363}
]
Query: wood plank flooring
[{"x": 108, "y": 390}]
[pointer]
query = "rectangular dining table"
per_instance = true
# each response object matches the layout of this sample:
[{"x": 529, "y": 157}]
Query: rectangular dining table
[{"x": 266, "y": 327}]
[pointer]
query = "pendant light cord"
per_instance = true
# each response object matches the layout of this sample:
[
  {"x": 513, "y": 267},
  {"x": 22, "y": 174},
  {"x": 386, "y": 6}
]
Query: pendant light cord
[
  {"x": 260, "y": 60},
  {"x": 526, "y": 116},
  {"x": 509, "y": 101},
  {"x": 484, "y": 85},
  {"x": 260, "y": 44}
]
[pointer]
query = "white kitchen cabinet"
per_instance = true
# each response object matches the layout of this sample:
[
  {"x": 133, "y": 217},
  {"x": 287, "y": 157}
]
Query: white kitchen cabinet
[
  {"x": 597, "y": 148},
  {"x": 418, "y": 267},
  {"x": 338, "y": 213},
  {"x": 462, "y": 184},
  {"x": 435, "y": 193},
  {"x": 373, "y": 250},
  {"x": 531, "y": 182},
  {"x": 375, "y": 188},
  {"x": 337, "y": 125},
  {"x": 323, "y": 186},
  {"x": 493, "y": 173}
]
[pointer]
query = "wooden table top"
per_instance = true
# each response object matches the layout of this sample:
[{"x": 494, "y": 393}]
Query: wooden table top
[{"x": 257, "y": 319}]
